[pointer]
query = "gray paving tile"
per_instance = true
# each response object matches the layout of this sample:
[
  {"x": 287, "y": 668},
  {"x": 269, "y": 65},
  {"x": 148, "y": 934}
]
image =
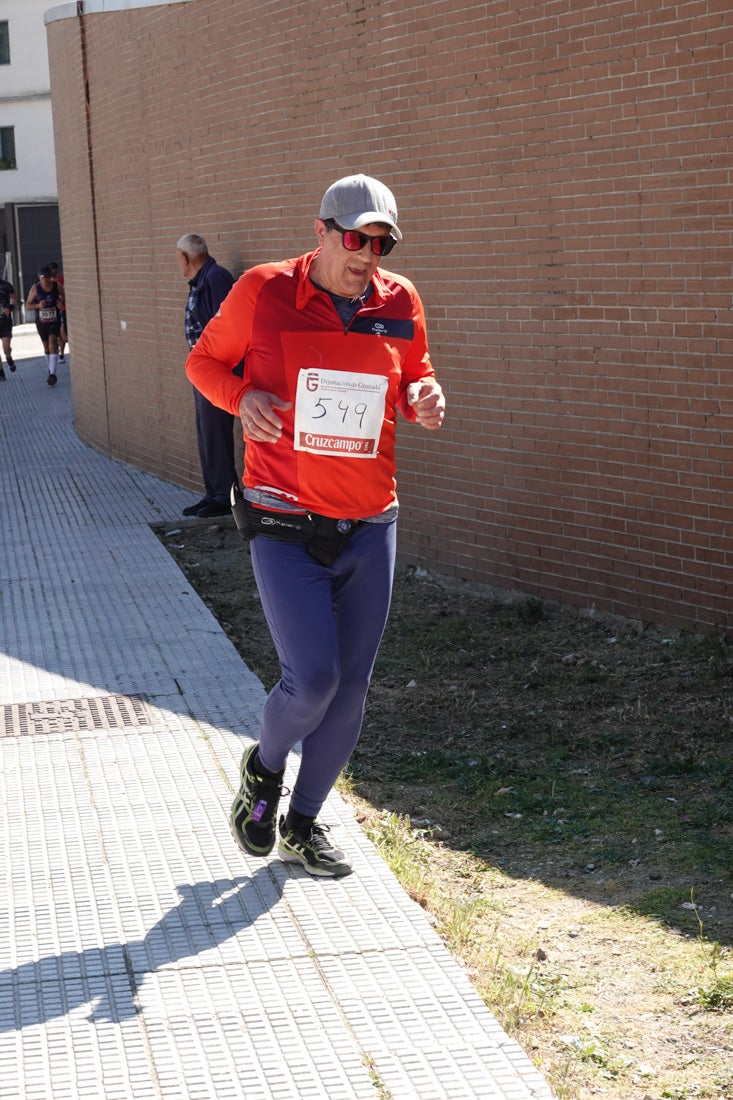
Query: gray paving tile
[{"x": 141, "y": 955}]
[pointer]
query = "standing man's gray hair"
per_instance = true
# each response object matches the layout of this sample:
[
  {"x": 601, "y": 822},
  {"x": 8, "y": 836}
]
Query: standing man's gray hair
[{"x": 193, "y": 244}]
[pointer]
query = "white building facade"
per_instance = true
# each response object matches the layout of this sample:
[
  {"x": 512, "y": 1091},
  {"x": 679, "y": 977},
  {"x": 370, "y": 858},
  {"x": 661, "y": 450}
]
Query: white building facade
[{"x": 29, "y": 221}]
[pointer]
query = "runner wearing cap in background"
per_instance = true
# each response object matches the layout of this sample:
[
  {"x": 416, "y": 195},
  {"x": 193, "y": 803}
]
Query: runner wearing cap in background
[
  {"x": 333, "y": 347},
  {"x": 47, "y": 299}
]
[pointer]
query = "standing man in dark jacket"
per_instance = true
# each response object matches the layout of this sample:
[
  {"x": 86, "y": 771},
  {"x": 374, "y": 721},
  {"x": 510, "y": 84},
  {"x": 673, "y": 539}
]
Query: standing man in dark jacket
[{"x": 209, "y": 284}]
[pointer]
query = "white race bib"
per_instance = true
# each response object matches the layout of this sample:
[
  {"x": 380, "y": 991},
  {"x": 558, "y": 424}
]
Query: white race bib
[{"x": 339, "y": 412}]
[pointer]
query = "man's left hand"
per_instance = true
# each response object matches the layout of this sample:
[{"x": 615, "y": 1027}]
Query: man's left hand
[{"x": 428, "y": 401}]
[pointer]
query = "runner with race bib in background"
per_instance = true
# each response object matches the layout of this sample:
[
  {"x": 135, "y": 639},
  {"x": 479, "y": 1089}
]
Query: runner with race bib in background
[{"x": 47, "y": 299}]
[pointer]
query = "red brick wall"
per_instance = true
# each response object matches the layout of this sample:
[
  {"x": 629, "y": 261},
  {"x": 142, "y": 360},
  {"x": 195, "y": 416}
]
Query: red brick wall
[{"x": 563, "y": 174}]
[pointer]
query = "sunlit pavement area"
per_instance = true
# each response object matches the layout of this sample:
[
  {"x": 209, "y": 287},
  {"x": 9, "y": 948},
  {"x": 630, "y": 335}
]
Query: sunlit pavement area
[{"x": 142, "y": 955}]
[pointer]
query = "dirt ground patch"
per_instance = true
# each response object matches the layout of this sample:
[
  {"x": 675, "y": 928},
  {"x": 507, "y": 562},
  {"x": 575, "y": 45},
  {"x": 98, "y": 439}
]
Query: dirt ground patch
[{"x": 557, "y": 790}]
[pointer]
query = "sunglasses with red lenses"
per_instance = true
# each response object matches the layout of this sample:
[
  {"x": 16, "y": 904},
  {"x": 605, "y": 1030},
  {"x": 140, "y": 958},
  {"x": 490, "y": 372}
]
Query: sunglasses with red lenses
[{"x": 354, "y": 241}]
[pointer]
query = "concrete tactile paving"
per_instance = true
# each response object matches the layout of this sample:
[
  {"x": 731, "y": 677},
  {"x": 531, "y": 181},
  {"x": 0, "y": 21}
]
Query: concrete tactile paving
[{"x": 141, "y": 954}]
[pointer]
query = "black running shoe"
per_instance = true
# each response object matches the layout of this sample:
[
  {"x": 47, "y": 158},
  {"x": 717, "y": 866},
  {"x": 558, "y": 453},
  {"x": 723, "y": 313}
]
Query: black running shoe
[
  {"x": 254, "y": 810},
  {"x": 2, "y": 375},
  {"x": 310, "y": 846},
  {"x": 11, "y": 364},
  {"x": 51, "y": 380}
]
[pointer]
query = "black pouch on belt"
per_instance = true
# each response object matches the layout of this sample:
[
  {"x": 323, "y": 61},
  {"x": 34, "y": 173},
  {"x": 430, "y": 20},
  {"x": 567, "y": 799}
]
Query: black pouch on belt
[
  {"x": 284, "y": 526},
  {"x": 331, "y": 536},
  {"x": 239, "y": 511},
  {"x": 323, "y": 537}
]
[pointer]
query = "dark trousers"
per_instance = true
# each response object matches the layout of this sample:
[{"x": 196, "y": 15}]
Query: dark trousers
[
  {"x": 215, "y": 435},
  {"x": 326, "y": 623}
]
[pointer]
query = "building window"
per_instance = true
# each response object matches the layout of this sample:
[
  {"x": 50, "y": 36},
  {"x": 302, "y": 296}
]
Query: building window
[
  {"x": 7, "y": 147},
  {"x": 4, "y": 43}
]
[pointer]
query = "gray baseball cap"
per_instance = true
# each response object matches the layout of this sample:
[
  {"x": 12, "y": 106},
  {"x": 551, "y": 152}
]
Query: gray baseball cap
[{"x": 360, "y": 200}]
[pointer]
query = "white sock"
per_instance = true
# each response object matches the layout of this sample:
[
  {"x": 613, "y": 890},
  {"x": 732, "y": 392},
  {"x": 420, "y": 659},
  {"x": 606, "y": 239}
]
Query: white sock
[{"x": 53, "y": 362}]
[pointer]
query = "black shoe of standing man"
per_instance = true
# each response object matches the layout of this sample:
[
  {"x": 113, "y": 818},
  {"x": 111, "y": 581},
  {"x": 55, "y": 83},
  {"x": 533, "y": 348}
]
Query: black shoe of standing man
[
  {"x": 193, "y": 509},
  {"x": 212, "y": 508},
  {"x": 205, "y": 508}
]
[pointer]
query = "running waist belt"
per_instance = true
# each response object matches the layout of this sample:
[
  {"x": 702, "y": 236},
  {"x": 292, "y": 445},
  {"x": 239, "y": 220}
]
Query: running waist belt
[{"x": 323, "y": 537}]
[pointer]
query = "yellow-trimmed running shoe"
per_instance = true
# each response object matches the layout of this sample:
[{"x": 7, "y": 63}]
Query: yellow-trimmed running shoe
[
  {"x": 308, "y": 844},
  {"x": 254, "y": 810}
]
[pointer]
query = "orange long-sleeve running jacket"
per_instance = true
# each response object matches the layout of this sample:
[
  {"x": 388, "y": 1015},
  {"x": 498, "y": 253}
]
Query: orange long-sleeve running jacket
[{"x": 336, "y": 452}]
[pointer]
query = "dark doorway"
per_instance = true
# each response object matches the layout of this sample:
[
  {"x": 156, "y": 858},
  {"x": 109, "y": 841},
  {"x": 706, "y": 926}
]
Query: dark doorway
[{"x": 38, "y": 241}]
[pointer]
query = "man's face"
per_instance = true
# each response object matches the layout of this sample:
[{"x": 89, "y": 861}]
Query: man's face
[
  {"x": 184, "y": 262},
  {"x": 343, "y": 272}
]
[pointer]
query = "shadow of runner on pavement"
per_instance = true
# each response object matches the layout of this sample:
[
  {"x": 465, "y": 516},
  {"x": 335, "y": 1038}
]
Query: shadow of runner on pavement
[{"x": 109, "y": 978}]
